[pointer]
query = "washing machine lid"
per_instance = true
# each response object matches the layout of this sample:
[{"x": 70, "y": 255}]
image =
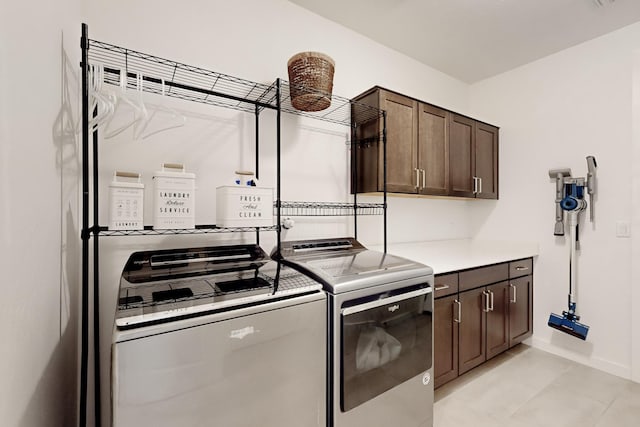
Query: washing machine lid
[
  {"x": 358, "y": 263},
  {"x": 344, "y": 264},
  {"x": 165, "y": 285}
]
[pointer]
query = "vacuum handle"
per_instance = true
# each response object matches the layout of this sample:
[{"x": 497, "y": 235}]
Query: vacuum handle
[
  {"x": 591, "y": 174},
  {"x": 591, "y": 184}
]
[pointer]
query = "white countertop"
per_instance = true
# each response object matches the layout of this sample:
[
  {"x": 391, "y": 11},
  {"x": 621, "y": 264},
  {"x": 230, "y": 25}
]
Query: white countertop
[{"x": 451, "y": 255}]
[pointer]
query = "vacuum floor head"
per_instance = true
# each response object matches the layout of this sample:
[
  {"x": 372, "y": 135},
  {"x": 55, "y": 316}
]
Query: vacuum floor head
[{"x": 568, "y": 326}]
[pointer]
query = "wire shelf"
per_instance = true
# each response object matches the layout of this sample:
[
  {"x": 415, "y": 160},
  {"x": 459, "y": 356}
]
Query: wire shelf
[
  {"x": 200, "y": 229},
  {"x": 181, "y": 80},
  {"x": 196, "y": 84},
  {"x": 342, "y": 111},
  {"x": 329, "y": 209}
]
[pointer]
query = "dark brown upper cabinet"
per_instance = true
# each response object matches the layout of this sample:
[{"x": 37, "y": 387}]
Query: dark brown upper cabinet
[
  {"x": 402, "y": 151},
  {"x": 433, "y": 150},
  {"x": 473, "y": 163},
  {"x": 486, "y": 160},
  {"x": 463, "y": 157},
  {"x": 430, "y": 150}
]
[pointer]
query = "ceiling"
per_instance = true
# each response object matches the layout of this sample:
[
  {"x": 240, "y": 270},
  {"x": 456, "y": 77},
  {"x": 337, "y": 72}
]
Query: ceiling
[{"x": 475, "y": 39}]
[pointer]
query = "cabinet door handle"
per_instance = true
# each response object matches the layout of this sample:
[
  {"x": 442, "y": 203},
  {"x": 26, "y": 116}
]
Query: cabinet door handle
[
  {"x": 521, "y": 268},
  {"x": 417, "y": 178},
  {"x": 512, "y": 286},
  {"x": 442, "y": 287},
  {"x": 479, "y": 185},
  {"x": 475, "y": 185},
  {"x": 485, "y": 298},
  {"x": 424, "y": 178},
  {"x": 491, "y": 304},
  {"x": 459, "y": 319}
]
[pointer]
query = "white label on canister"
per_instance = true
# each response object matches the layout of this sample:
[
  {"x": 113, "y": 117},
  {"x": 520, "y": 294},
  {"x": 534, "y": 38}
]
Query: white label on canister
[
  {"x": 174, "y": 203},
  {"x": 126, "y": 207}
]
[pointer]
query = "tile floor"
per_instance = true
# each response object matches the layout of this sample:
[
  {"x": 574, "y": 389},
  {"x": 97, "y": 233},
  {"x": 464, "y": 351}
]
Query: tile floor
[{"x": 526, "y": 387}]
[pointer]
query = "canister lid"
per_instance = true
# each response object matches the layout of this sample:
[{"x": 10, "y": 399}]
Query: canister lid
[
  {"x": 174, "y": 170},
  {"x": 125, "y": 180}
]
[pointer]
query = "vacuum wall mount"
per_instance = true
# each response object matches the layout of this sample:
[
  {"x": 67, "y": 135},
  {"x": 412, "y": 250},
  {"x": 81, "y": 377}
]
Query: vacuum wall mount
[{"x": 570, "y": 202}]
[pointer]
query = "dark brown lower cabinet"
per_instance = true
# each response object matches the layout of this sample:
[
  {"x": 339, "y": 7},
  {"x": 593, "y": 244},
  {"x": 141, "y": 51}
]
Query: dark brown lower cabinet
[
  {"x": 445, "y": 338},
  {"x": 484, "y": 327},
  {"x": 520, "y": 309},
  {"x": 473, "y": 326},
  {"x": 497, "y": 319},
  {"x": 483, "y": 320}
]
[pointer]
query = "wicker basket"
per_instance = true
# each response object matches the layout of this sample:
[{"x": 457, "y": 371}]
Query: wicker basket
[{"x": 311, "y": 80}]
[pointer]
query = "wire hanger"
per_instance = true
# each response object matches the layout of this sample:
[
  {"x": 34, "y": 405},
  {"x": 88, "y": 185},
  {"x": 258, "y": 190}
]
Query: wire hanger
[
  {"x": 100, "y": 102},
  {"x": 128, "y": 102},
  {"x": 104, "y": 102}
]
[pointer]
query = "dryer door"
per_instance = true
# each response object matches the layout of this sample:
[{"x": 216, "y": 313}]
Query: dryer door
[{"x": 386, "y": 340}]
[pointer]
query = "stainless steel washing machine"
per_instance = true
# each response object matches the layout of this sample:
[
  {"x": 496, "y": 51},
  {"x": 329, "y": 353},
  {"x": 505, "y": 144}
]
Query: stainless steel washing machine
[
  {"x": 380, "y": 332},
  {"x": 218, "y": 336}
]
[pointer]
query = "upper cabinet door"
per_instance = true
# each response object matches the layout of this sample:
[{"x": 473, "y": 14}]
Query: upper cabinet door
[
  {"x": 430, "y": 150},
  {"x": 462, "y": 156},
  {"x": 486, "y": 152},
  {"x": 433, "y": 150},
  {"x": 402, "y": 156}
]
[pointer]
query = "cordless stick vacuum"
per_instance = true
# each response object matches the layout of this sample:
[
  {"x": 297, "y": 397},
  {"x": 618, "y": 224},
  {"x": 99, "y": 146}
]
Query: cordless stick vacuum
[{"x": 570, "y": 193}]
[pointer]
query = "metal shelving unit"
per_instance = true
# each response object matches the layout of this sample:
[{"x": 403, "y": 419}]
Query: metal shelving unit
[{"x": 199, "y": 85}]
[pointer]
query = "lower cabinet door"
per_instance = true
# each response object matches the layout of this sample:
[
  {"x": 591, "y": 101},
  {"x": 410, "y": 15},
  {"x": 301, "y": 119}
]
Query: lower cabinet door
[
  {"x": 520, "y": 309},
  {"x": 445, "y": 339},
  {"x": 498, "y": 319},
  {"x": 473, "y": 325}
]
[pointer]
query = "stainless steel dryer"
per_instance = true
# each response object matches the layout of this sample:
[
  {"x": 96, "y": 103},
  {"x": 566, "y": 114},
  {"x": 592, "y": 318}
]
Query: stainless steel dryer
[
  {"x": 380, "y": 332},
  {"x": 217, "y": 336}
]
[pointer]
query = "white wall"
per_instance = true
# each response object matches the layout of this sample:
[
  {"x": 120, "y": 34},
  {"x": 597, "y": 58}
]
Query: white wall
[
  {"x": 254, "y": 40},
  {"x": 38, "y": 219},
  {"x": 553, "y": 113}
]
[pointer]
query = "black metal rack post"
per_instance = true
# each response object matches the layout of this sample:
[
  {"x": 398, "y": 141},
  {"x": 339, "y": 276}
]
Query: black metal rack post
[
  {"x": 257, "y": 114},
  {"x": 96, "y": 288},
  {"x": 384, "y": 176},
  {"x": 354, "y": 177},
  {"x": 84, "y": 346},
  {"x": 278, "y": 167}
]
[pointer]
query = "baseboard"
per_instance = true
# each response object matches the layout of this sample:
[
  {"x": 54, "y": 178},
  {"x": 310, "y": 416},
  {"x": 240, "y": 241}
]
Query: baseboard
[{"x": 593, "y": 362}]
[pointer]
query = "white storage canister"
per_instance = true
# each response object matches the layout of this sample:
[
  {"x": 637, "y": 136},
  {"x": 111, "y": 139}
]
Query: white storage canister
[
  {"x": 244, "y": 206},
  {"x": 174, "y": 199},
  {"x": 126, "y": 201}
]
